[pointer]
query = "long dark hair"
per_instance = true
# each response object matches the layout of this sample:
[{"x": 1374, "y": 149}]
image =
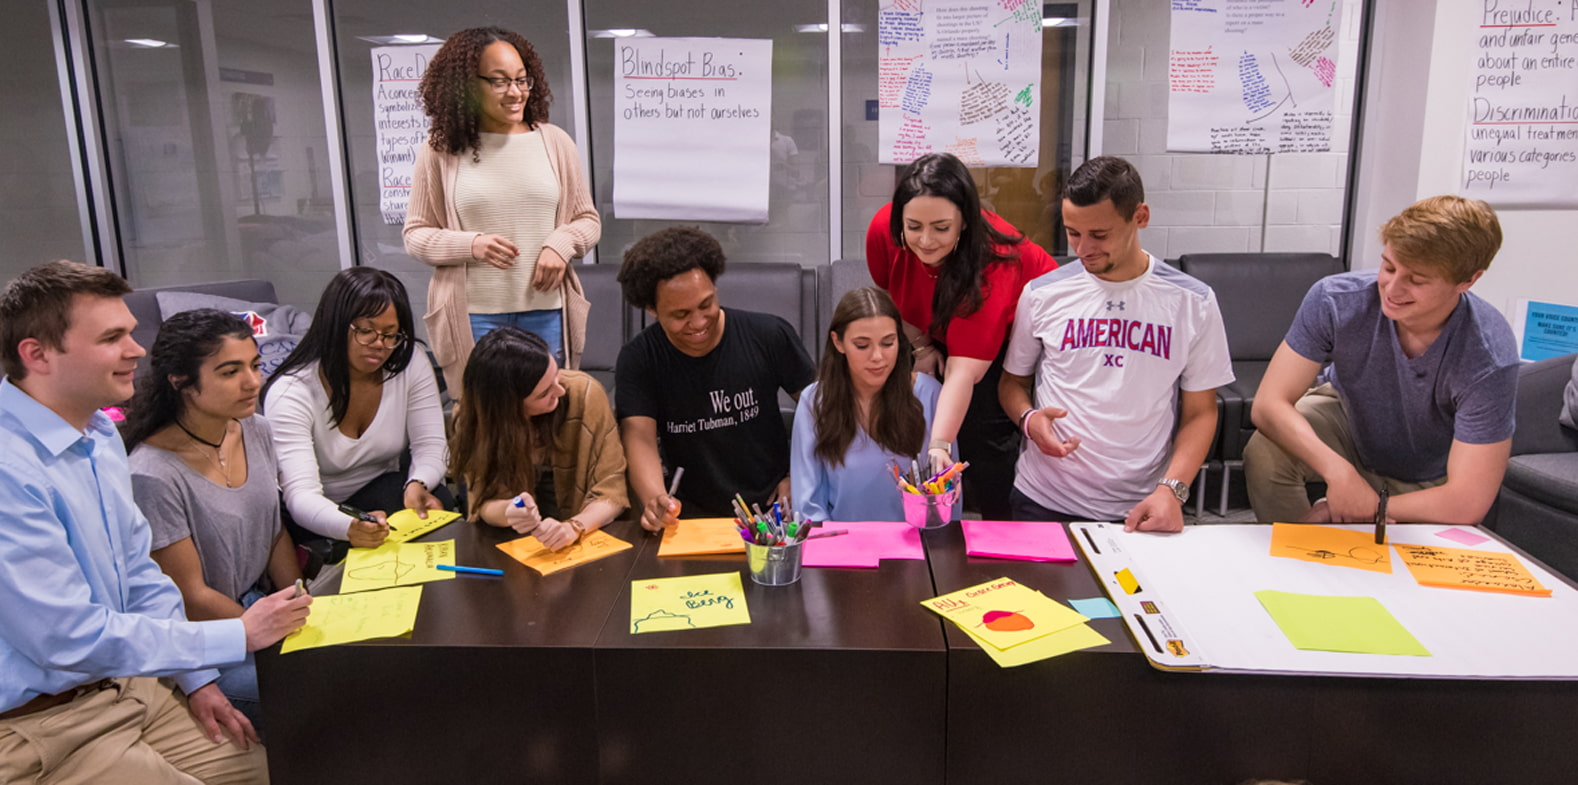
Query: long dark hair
[
  {"x": 447, "y": 85},
  {"x": 896, "y": 420},
  {"x": 494, "y": 449},
  {"x": 353, "y": 293},
  {"x": 960, "y": 282},
  {"x": 186, "y": 341}
]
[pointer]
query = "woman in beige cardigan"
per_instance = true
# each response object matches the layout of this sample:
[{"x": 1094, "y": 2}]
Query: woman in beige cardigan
[{"x": 499, "y": 204}]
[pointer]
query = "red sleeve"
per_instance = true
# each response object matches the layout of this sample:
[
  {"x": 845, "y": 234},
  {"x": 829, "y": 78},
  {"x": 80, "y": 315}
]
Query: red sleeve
[
  {"x": 880, "y": 252},
  {"x": 981, "y": 334}
]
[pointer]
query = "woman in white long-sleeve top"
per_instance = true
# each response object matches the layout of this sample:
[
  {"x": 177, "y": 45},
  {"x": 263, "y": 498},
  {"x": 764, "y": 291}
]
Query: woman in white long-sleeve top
[
  {"x": 348, "y": 405},
  {"x": 867, "y": 408}
]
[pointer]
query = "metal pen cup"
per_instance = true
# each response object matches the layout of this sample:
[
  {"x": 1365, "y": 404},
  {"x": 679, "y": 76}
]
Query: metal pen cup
[
  {"x": 929, "y": 510},
  {"x": 773, "y": 565}
]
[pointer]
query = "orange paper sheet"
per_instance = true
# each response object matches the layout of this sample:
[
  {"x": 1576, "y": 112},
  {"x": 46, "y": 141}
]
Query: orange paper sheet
[
  {"x": 1328, "y": 545},
  {"x": 701, "y": 537},
  {"x": 592, "y": 546},
  {"x": 1460, "y": 568}
]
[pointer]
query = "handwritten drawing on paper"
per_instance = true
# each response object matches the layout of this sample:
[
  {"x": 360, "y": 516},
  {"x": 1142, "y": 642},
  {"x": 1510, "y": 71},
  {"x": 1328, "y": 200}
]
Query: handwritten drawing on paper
[
  {"x": 1330, "y": 545},
  {"x": 1460, "y": 568},
  {"x": 959, "y": 77},
  {"x": 687, "y": 603}
]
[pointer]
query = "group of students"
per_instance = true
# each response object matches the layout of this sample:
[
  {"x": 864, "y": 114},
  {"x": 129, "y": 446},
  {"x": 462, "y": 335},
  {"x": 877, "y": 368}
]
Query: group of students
[{"x": 179, "y": 560}]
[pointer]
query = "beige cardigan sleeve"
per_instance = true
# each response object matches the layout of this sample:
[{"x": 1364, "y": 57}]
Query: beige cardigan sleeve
[
  {"x": 427, "y": 233},
  {"x": 579, "y": 225}
]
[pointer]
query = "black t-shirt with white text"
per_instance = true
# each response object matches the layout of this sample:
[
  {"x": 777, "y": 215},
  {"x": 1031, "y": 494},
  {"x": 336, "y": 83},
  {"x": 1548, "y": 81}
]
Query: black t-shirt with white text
[{"x": 717, "y": 415}]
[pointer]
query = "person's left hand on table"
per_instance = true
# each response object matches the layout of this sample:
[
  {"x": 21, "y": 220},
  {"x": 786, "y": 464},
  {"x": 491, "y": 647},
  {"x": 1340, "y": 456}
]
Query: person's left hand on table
[
  {"x": 419, "y": 499},
  {"x": 554, "y": 533}
]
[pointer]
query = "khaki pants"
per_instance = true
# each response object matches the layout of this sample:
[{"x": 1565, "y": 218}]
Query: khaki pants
[
  {"x": 131, "y": 732},
  {"x": 1276, "y": 479}
]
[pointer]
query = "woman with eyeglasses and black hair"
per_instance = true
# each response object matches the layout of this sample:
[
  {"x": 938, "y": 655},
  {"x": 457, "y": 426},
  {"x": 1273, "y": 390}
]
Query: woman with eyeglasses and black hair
[
  {"x": 348, "y": 406},
  {"x": 499, "y": 204}
]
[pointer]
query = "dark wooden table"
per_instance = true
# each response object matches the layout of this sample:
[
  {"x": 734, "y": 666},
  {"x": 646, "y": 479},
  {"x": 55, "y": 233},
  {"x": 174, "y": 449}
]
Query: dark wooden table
[
  {"x": 1104, "y": 715},
  {"x": 495, "y": 683},
  {"x": 838, "y": 678}
]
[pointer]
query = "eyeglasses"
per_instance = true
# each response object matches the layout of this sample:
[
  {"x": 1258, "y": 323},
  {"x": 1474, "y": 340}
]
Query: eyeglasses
[
  {"x": 367, "y": 337},
  {"x": 501, "y": 84}
]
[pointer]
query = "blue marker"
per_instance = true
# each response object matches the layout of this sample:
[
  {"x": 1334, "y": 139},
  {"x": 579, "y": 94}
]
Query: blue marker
[{"x": 470, "y": 570}]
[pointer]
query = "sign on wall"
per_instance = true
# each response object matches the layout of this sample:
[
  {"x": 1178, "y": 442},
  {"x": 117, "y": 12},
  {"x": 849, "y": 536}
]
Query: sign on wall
[
  {"x": 692, "y": 128},
  {"x": 1522, "y": 145},
  {"x": 400, "y": 122},
  {"x": 962, "y": 78},
  {"x": 1252, "y": 76}
]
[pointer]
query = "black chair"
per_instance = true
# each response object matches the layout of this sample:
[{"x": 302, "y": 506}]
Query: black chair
[
  {"x": 1537, "y": 508},
  {"x": 1258, "y": 294}
]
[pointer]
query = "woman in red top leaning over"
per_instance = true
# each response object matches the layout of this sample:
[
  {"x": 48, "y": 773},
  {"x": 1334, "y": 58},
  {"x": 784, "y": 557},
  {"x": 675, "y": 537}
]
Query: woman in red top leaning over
[{"x": 956, "y": 271}]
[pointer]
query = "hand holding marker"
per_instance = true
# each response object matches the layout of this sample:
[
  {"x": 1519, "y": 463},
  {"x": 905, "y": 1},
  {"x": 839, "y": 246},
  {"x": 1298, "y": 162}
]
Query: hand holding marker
[{"x": 940, "y": 483}]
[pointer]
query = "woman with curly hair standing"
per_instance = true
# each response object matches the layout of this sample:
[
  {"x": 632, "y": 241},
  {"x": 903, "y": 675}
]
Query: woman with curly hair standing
[{"x": 499, "y": 204}]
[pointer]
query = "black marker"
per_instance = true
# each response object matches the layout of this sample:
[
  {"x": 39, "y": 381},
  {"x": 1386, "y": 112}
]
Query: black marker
[{"x": 362, "y": 516}]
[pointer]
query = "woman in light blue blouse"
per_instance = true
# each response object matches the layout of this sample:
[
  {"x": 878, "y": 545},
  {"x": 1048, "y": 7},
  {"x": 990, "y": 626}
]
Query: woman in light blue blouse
[{"x": 867, "y": 408}]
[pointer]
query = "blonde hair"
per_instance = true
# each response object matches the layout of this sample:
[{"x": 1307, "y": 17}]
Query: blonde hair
[{"x": 1451, "y": 235}]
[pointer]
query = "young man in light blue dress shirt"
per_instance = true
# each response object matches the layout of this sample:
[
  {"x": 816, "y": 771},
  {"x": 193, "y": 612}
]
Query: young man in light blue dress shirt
[{"x": 89, "y": 617}]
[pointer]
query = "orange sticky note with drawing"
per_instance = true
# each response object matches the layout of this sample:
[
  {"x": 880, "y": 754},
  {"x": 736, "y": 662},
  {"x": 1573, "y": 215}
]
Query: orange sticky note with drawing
[
  {"x": 1460, "y": 568},
  {"x": 701, "y": 537},
  {"x": 1330, "y": 545},
  {"x": 592, "y": 546}
]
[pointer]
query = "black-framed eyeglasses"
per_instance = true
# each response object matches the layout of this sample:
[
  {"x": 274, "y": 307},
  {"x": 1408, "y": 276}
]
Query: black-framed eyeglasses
[
  {"x": 501, "y": 84},
  {"x": 368, "y": 337}
]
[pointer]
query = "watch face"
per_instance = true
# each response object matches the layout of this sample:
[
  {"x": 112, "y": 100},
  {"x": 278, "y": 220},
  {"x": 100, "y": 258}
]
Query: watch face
[{"x": 1179, "y": 489}]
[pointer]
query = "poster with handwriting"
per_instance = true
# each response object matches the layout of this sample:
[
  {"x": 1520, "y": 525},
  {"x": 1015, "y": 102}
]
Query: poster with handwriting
[
  {"x": 1522, "y": 146},
  {"x": 346, "y": 618},
  {"x": 1252, "y": 76},
  {"x": 690, "y": 602},
  {"x": 400, "y": 123},
  {"x": 591, "y": 546},
  {"x": 1004, "y": 613},
  {"x": 396, "y": 564},
  {"x": 692, "y": 128},
  {"x": 959, "y": 77},
  {"x": 405, "y": 526},
  {"x": 1461, "y": 568}
]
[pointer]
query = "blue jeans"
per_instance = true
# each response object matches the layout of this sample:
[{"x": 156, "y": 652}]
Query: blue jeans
[
  {"x": 547, "y": 324},
  {"x": 239, "y": 682}
]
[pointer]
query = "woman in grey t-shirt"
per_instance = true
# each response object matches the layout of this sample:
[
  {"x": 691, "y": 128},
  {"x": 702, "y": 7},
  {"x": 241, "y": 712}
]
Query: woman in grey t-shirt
[{"x": 204, "y": 474}]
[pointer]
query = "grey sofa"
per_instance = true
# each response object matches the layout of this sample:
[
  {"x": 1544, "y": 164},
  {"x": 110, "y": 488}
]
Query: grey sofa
[
  {"x": 1537, "y": 508},
  {"x": 144, "y": 306}
]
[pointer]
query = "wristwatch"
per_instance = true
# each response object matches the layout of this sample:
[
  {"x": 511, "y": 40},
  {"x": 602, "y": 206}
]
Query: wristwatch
[{"x": 1179, "y": 489}]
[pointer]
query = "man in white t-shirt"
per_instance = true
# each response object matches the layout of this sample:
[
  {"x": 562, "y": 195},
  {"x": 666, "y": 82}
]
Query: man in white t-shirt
[{"x": 1122, "y": 349}]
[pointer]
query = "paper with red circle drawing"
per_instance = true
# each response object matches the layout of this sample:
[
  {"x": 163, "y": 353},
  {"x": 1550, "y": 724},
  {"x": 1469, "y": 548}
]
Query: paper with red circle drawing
[
  {"x": 1021, "y": 540},
  {"x": 1004, "y": 613},
  {"x": 865, "y": 544}
]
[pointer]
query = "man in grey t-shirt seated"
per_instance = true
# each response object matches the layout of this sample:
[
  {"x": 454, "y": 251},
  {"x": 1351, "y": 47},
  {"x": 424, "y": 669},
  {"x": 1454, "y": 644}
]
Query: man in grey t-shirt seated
[{"x": 1420, "y": 391}]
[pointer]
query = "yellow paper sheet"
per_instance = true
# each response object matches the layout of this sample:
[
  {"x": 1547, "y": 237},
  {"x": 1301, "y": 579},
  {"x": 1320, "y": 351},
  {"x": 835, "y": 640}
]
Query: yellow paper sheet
[
  {"x": 404, "y": 526},
  {"x": 1460, "y": 568},
  {"x": 687, "y": 603},
  {"x": 344, "y": 618},
  {"x": 396, "y": 564},
  {"x": 1079, "y": 636},
  {"x": 1004, "y": 613},
  {"x": 701, "y": 537},
  {"x": 592, "y": 546},
  {"x": 1328, "y": 545},
  {"x": 1358, "y": 625}
]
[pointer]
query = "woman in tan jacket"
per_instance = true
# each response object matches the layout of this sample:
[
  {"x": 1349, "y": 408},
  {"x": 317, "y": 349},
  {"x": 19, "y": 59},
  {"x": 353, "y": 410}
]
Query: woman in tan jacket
[
  {"x": 537, "y": 447},
  {"x": 499, "y": 204}
]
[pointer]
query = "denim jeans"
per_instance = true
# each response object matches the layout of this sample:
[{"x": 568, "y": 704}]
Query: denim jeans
[{"x": 547, "y": 324}]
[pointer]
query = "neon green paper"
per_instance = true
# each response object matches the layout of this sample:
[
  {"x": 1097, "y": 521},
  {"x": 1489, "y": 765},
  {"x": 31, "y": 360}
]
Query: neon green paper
[
  {"x": 689, "y": 602},
  {"x": 1347, "y": 624},
  {"x": 396, "y": 564},
  {"x": 345, "y": 618}
]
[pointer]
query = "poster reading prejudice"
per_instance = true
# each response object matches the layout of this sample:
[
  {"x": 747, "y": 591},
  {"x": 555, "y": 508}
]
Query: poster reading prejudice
[
  {"x": 1252, "y": 76},
  {"x": 400, "y": 122},
  {"x": 959, "y": 77},
  {"x": 1522, "y": 146},
  {"x": 692, "y": 128}
]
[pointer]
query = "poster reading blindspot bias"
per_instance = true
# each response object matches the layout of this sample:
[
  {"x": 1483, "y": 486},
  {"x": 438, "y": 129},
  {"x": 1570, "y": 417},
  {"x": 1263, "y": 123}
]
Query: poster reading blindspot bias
[
  {"x": 959, "y": 77},
  {"x": 692, "y": 128},
  {"x": 1252, "y": 76},
  {"x": 400, "y": 122}
]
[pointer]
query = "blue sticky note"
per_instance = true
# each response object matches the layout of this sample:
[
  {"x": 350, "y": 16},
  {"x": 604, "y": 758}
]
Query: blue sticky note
[{"x": 1095, "y": 608}]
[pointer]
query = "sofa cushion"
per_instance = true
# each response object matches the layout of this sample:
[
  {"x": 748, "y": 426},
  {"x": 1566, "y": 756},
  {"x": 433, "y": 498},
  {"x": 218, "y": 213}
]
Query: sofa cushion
[
  {"x": 277, "y": 328},
  {"x": 1569, "y": 416},
  {"x": 1550, "y": 478}
]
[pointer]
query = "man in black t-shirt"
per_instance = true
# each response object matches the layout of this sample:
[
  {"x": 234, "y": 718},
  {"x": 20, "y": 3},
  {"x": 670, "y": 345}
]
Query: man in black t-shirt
[{"x": 699, "y": 389}]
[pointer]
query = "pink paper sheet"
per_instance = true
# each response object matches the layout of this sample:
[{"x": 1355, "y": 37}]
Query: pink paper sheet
[
  {"x": 1465, "y": 536},
  {"x": 1019, "y": 540},
  {"x": 866, "y": 543}
]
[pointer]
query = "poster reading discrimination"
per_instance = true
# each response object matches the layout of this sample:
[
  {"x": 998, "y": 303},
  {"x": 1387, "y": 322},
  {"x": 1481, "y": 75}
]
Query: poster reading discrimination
[
  {"x": 401, "y": 124},
  {"x": 1252, "y": 76},
  {"x": 1522, "y": 146},
  {"x": 692, "y": 128},
  {"x": 960, "y": 77}
]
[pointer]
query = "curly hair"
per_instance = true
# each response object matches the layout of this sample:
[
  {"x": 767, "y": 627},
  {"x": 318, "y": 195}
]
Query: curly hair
[
  {"x": 449, "y": 83},
  {"x": 664, "y": 254}
]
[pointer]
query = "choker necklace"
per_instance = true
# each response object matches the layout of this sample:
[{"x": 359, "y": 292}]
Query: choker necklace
[{"x": 201, "y": 440}]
